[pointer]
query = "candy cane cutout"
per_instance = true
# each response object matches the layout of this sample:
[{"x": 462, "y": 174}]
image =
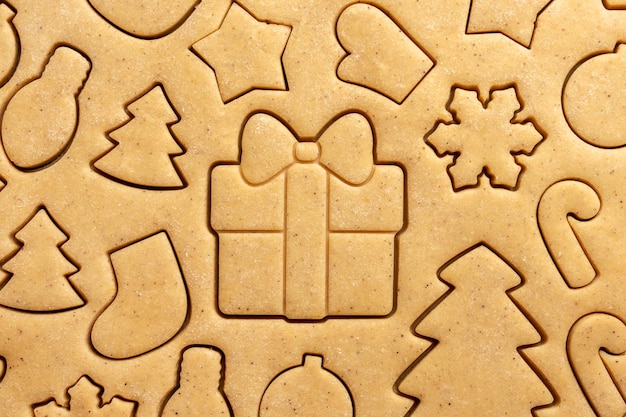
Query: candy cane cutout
[
  {"x": 589, "y": 335},
  {"x": 562, "y": 200}
]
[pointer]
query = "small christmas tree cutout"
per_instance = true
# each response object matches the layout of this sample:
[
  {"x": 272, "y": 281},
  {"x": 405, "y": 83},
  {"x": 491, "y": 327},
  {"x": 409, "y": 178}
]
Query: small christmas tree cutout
[
  {"x": 476, "y": 366},
  {"x": 145, "y": 145},
  {"x": 39, "y": 270}
]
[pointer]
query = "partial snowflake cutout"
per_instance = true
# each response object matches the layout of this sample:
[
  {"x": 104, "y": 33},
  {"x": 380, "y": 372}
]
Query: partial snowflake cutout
[
  {"x": 86, "y": 400},
  {"x": 245, "y": 53},
  {"x": 484, "y": 138}
]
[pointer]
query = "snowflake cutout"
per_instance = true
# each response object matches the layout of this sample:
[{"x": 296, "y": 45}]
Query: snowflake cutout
[
  {"x": 484, "y": 138},
  {"x": 86, "y": 400}
]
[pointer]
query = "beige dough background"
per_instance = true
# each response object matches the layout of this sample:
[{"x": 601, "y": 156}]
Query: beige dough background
[{"x": 47, "y": 353}]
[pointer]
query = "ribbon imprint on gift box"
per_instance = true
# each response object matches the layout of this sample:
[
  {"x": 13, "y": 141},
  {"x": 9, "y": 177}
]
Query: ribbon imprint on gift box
[{"x": 306, "y": 228}]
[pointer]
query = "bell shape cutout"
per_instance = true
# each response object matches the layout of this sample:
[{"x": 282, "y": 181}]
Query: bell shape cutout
[
  {"x": 308, "y": 390},
  {"x": 200, "y": 386},
  {"x": 40, "y": 120},
  {"x": 9, "y": 43},
  {"x": 151, "y": 304}
]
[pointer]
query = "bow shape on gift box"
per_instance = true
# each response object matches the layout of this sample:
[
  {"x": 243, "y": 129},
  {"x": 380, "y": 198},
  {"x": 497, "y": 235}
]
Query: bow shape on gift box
[{"x": 345, "y": 147}]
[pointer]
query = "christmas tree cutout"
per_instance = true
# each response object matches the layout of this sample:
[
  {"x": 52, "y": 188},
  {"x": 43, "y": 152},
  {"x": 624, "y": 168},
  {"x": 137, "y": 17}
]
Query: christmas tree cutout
[
  {"x": 39, "y": 270},
  {"x": 145, "y": 145},
  {"x": 477, "y": 367}
]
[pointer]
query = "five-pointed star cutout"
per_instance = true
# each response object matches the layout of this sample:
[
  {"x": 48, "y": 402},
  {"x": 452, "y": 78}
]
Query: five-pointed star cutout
[{"x": 245, "y": 54}]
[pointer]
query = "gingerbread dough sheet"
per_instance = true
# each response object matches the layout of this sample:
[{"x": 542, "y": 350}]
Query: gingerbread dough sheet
[{"x": 264, "y": 208}]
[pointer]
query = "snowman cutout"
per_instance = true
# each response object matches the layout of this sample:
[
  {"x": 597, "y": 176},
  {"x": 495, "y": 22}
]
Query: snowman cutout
[{"x": 200, "y": 386}]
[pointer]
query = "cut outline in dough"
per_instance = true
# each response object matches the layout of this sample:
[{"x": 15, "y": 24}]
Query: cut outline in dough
[
  {"x": 403, "y": 31},
  {"x": 434, "y": 342},
  {"x": 376, "y": 160},
  {"x": 3, "y": 367},
  {"x": 580, "y": 217},
  {"x": 597, "y": 362},
  {"x": 55, "y": 158},
  {"x": 162, "y": 34},
  {"x": 19, "y": 244},
  {"x": 174, "y": 136},
  {"x": 100, "y": 312},
  {"x": 530, "y": 43},
  {"x": 571, "y": 72},
  {"x": 607, "y": 6},
  {"x": 101, "y": 392},
  {"x": 485, "y": 104},
  {"x": 18, "y": 47},
  {"x": 170, "y": 393},
  {"x": 301, "y": 365},
  {"x": 214, "y": 70}
]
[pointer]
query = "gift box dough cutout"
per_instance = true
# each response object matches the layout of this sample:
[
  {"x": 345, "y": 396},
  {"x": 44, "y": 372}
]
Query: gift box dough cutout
[{"x": 307, "y": 228}]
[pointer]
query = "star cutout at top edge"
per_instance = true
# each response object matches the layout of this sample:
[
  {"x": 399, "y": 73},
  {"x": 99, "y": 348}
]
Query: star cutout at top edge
[
  {"x": 245, "y": 53},
  {"x": 514, "y": 19}
]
